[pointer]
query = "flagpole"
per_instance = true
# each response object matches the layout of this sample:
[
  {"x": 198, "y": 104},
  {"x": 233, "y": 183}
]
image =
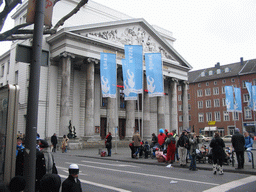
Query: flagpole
[{"x": 117, "y": 131}]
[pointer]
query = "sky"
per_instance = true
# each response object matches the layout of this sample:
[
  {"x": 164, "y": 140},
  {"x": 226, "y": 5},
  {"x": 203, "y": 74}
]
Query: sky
[{"x": 206, "y": 31}]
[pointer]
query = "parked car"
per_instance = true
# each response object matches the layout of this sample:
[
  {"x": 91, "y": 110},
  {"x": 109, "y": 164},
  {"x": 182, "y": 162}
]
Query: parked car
[
  {"x": 207, "y": 139},
  {"x": 201, "y": 138},
  {"x": 227, "y": 138}
]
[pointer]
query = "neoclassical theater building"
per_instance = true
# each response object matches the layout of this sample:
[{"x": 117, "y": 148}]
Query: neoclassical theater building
[{"x": 70, "y": 88}]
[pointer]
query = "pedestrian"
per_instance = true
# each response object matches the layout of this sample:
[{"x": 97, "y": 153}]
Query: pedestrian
[
  {"x": 131, "y": 145},
  {"x": 161, "y": 138},
  {"x": 72, "y": 183},
  {"x": 17, "y": 184},
  {"x": 19, "y": 157},
  {"x": 248, "y": 145},
  {"x": 108, "y": 143},
  {"x": 64, "y": 144},
  {"x": 136, "y": 138},
  {"x": 238, "y": 143},
  {"x": 54, "y": 142},
  {"x": 193, "y": 141},
  {"x": 218, "y": 153},
  {"x": 154, "y": 140},
  {"x": 176, "y": 138},
  {"x": 50, "y": 183},
  {"x": 183, "y": 145},
  {"x": 171, "y": 148}
]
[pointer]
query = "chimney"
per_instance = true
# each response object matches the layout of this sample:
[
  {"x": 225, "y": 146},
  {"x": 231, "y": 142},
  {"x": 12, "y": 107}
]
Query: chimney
[
  {"x": 217, "y": 65},
  {"x": 241, "y": 60}
]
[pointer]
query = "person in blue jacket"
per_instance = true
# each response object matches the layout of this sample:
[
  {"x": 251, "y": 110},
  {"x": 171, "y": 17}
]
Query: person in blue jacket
[{"x": 248, "y": 145}]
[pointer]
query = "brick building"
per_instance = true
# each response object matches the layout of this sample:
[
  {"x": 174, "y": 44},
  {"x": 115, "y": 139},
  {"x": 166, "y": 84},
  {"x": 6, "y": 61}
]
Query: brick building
[{"x": 206, "y": 99}]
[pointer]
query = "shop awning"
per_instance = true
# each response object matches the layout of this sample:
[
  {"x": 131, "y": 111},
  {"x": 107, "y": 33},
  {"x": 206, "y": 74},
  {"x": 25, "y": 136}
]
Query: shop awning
[{"x": 210, "y": 128}]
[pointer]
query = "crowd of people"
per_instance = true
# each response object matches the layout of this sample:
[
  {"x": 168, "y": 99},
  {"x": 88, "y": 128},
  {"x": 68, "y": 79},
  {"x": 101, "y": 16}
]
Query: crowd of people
[{"x": 168, "y": 147}]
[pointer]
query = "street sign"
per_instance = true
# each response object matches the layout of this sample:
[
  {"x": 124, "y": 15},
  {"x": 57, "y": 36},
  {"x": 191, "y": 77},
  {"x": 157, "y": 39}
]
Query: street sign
[{"x": 211, "y": 122}]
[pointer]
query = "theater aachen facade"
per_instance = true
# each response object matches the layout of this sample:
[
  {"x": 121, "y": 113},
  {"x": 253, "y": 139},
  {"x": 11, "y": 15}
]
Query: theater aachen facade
[{"x": 70, "y": 77}]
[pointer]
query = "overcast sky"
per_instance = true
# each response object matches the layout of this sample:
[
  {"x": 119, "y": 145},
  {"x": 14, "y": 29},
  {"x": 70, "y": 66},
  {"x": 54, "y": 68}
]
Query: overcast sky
[{"x": 206, "y": 31}]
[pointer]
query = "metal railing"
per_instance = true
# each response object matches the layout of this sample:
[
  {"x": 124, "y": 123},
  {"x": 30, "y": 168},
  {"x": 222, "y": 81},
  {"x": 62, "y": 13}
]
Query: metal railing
[{"x": 233, "y": 159}]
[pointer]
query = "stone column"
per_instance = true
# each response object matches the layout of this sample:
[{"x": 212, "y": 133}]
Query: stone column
[
  {"x": 130, "y": 118},
  {"x": 89, "y": 104},
  {"x": 160, "y": 112},
  {"x": 111, "y": 115},
  {"x": 147, "y": 131},
  {"x": 185, "y": 104},
  {"x": 65, "y": 93},
  {"x": 173, "y": 105}
]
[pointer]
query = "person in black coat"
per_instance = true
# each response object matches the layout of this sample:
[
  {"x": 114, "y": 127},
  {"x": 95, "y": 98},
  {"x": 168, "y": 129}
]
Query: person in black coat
[
  {"x": 72, "y": 183},
  {"x": 217, "y": 145},
  {"x": 238, "y": 143},
  {"x": 108, "y": 143},
  {"x": 54, "y": 142}
]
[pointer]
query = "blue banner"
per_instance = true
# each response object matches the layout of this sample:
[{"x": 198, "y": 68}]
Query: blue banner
[
  {"x": 249, "y": 89},
  {"x": 254, "y": 97},
  {"x": 128, "y": 91},
  {"x": 134, "y": 59},
  {"x": 238, "y": 101},
  {"x": 154, "y": 74},
  {"x": 229, "y": 98},
  {"x": 108, "y": 74}
]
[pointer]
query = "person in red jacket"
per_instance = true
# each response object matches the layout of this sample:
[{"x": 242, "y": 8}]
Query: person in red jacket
[
  {"x": 161, "y": 138},
  {"x": 171, "y": 148}
]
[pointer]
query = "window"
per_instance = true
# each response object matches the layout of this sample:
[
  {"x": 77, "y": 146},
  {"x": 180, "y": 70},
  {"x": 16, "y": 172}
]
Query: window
[
  {"x": 189, "y": 107},
  {"x": 208, "y": 116},
  {"x": 215, "y": 82},
  {"x": 243, "y": 84},
  {"x": 207, "y": 83},
  {"x": 200, "y": 117},
  {"x": 223, "y": 90},
  {"x": 199, "y": 84},
  {"x": 203, "y": 74},
  {"x": 200, "y": 104},
  {"x": 218, "y": 71},
  {"x": 104, "y": 102},
  {"x": 224, "y": 81},
  {"x": 180, "y": 118},
  {"x": 208, "y": 103},
  {"x": 8, "y": 66},
  {"x": 180, "y": 107},
  {"x": 233, "y": 80},
  {"x": 247, "y": 113},
  {"x": 16, "y": 77},
  {"x": 223, "y": 102},
  {"x": 227, "y": 70},
  {"x": 235, "y": 116},
  {"x": 208, "y": 92},
  {"x": 216, "y": 103},
  {"x": 246, "y": 97},
  {"x": 215, "y": 90},
  {"x": 217, "y": 115},
  {"x": 179, "y": 97},
  {"x": 2, "y": 70},
  {"x": 122, "y": 101},
  {"x": 199, "y": 93},
  {"x": 179, "y": 88},
  {"x": 188, "y": 87},
  {"x": 188, "y": 96},
  {"x": 210, "y": 72},
  {"x": 226, "y": 116},
  {"x": 189, "y": 117}
]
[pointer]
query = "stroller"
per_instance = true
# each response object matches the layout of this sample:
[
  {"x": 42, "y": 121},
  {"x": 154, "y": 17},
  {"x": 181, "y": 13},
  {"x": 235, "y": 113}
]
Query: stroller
[
  {"x": 153, "y": 150},
  {"x": 227, "y": 156}
]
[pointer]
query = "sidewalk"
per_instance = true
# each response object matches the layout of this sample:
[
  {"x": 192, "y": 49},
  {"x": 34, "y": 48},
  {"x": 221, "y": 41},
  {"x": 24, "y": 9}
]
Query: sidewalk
[{"x": 124, "y": 154}]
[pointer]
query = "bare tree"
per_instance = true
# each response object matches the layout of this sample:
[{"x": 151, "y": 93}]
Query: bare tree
[{"x": 18, "y": 33}]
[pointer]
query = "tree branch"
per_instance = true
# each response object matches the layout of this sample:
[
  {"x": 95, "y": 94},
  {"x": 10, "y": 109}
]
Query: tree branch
[{"x": 8, "y": 33}]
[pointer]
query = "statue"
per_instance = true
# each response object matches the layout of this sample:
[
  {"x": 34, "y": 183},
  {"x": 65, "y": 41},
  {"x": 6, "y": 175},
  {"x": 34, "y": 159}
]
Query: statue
[{"x": 72, "y": 131}]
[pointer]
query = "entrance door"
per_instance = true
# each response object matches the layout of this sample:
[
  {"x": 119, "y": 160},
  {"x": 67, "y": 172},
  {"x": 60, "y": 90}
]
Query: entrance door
[
  {"x": 122, "y": 128},
  {"x": 103, "y": 127}
]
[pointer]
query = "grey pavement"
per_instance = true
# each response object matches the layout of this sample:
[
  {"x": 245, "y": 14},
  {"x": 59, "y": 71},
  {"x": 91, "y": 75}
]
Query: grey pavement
[{"x": 123, "y": 154}]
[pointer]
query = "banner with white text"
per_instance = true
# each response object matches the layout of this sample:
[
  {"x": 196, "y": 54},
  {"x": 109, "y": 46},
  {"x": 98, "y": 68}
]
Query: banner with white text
[
  {"x": 108, "y": 74},
  {"x": 249, "y": 89},
  {"x": 238, "y": 101},
  {"x": 254, "y": 97},
  {"x": 154, "y": 74},
  {"x": 229, "y": 98}
]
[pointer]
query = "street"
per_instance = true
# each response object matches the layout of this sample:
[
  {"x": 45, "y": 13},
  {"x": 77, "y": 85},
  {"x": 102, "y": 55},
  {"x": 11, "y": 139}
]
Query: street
[{"x": 109, "y": 175}]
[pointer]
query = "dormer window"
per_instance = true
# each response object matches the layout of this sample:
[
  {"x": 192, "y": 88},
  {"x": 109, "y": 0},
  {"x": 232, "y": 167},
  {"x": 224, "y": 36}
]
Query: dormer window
[
  {"x": 203, "y": 74},
  {"x": 210, "y": 73},
  {"x": 227, "y": 70},
  {"x": 218, "y": 71}
]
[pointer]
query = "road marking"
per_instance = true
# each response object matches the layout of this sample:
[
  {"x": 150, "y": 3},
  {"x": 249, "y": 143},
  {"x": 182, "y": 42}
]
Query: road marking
[
  {"x": 118, "y": 165},
  {"x": 98, "y": 184},
  {"x": 148, "y": 175},
  {"x": 64, "y": 169},
  {"x": 232, "y": 184}
]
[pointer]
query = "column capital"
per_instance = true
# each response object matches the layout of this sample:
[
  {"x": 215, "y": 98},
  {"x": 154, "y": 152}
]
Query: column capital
[
  {"x": 90, "y": 59},
  {"x": 185, "y": 82},
  {"x": 174, "y": 80},
  {"x": 67, "y": 54}
]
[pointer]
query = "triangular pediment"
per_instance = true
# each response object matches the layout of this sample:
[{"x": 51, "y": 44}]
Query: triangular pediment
[{"x": 131, "y": 32}]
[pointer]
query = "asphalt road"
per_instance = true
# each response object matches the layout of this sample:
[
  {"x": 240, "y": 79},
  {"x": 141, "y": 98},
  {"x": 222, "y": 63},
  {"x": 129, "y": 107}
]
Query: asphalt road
[{"x": 101, "y": 175}]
